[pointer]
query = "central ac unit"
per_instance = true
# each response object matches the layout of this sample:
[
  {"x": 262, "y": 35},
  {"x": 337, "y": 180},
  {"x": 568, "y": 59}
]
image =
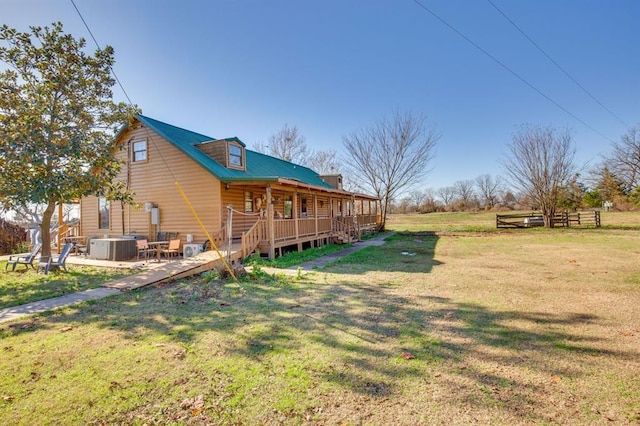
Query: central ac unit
[{"x": 191, "y": 250}]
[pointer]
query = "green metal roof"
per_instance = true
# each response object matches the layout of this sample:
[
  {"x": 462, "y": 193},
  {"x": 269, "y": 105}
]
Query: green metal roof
[{"x": 259, "y": 167}]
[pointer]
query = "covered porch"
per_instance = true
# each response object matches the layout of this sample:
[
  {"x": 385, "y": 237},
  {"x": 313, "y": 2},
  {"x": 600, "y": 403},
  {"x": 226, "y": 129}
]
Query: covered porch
[{"x": 286, "y": 215}]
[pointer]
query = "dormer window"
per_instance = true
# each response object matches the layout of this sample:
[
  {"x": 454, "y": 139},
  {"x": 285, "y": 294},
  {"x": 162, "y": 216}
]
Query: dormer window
[
  {"x": 235, "y": 155},
  {"x": 229, "y": 152}
]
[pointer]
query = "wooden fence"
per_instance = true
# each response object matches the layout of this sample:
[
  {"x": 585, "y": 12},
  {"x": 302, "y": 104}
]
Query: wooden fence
[{"x": 584, "y": 219}]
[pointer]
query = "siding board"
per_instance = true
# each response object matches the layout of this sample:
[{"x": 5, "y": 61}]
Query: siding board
[{"x": 153, "y": 181}]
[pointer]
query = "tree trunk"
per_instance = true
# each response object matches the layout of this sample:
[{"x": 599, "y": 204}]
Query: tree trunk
[
  {"x": 45, "y": 228},
  {"x": 548, "y": 214}
]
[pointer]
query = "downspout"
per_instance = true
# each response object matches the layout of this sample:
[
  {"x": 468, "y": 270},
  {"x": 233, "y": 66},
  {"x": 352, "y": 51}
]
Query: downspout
[{"x": 127, "y": 186}]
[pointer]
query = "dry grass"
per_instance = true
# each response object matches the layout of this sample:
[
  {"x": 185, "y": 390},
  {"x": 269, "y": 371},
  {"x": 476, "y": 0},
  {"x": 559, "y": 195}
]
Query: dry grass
[{"x": 526, "y": 327}]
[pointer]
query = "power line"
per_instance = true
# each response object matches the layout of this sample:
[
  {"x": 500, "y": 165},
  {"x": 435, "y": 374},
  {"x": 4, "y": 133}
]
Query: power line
[
  {"x": 99, "y": 47},
  {"x": 120, "y": 85},
  {"x": 556, "y": 64},
  {"x": 177, "y": 184},
  {"x": 512, "y": 72}
]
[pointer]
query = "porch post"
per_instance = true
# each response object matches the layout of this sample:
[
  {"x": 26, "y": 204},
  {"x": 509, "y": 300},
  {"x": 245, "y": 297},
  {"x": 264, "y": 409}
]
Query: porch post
[
  {"x": 315, "y": 211},
  {"x": 270, "y": 225},
  {"x": 294, "y": 214},
  {"x": 354, "y": 212}
]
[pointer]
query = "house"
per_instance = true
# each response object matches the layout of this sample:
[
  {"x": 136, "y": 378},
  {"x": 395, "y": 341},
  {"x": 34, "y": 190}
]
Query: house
[{"x": 205, "y": 188}]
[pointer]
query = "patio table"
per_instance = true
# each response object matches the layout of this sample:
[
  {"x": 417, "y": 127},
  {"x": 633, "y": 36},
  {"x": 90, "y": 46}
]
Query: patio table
[{"x": 158, "y": 246}]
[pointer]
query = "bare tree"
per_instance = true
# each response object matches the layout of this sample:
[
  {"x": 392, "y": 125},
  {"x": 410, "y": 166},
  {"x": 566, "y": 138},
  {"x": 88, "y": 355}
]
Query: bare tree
[
  {"x": 261, "y": 147},
  {"x": 624, "y": 161},
  {"x": 464, "y": 191},
  {"x": 416, "y": 197},
  {"x": 324, "y": 162},
  {"x": 429, "y": 203},
  {"x": 508, "y": 198},
  {"x": 540, "y": 163},
  {"x": 288, "y": 144},
  {"x": 390, "y": 156},
  {"x": 489, "y": 189},
  {"x": 446, "y": 194}
]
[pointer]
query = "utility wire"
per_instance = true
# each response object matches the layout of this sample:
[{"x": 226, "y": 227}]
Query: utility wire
[
  {"x": 166, "y": 164},
  {"x": 512, "y": 72},
  {"x": 99, "y": 47},
  {"x": 556, "y": 64},
  {"x": 122, "y": 87}
]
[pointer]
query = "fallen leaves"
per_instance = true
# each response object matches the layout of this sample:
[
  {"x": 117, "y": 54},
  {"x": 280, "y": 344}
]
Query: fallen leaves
[
  {"x": 179, "y": 353},
  {"x": 195, "y": 404},
  {"x": 407, "y": 355},
  {"x": 23, "y": 325}
]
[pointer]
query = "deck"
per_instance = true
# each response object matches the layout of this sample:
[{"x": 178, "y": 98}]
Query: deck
[{"x": 152, "y": 272}]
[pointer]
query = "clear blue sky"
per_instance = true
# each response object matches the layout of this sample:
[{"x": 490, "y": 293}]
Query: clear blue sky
[{"x": 246, "y": 67}]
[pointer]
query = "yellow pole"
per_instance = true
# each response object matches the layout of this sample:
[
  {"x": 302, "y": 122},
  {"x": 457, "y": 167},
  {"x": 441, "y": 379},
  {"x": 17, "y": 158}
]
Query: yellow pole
[{"x": 184, "y": 196}]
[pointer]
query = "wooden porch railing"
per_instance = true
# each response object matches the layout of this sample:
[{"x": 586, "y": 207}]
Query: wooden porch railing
[
  {"x": 63, "y": 231},
  {"x": 306, "y": 227},
  {"x": 324, "y": 225},
  {"x": 347, "y": 227},
  {"x": 252, "y": 237},
  {"x": 220, "y": 238},
  {"x": 343, "y": 227},
  {"x": 368, "y": 220},
  {"x": 284, "y": 229}
]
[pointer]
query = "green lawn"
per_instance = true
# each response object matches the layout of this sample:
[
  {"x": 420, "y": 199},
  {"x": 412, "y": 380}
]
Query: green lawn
[
  {"x": 455, "y": 328},
  {"x": 26, "y": 285}
]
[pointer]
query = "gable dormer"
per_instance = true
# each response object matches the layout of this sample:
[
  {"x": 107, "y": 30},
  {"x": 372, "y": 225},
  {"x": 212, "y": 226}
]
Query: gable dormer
[{"x": 229, "y": 152}]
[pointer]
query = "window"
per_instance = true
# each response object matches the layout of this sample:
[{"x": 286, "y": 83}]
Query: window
[
  {"x": 303, "y": 207},
  {"x": 288, "y": 206},
  {"x": 248, "y": 202},
  {"x": 235, "y": 155},
  {"x": 103, "y": 213},
  {"x": 139, "y": 151}
]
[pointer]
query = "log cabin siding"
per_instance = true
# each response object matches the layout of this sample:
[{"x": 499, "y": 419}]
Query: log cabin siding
[
  {"x": 216, "y": 150},
  {"x": 235, "y": 197},
  {"x": 89, "y": 215},
  {"x": 153, "y": 181},
  {"x": 160, "y": 163}
]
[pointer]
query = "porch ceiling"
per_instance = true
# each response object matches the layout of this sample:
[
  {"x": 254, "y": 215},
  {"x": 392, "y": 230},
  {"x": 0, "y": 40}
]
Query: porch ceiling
[{"x": 289, "y": 185}]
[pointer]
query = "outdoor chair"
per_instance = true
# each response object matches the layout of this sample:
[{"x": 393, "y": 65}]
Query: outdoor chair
[
  {"x": 47, "y": 263},
  {"x": 173, "y": 250},
  {"x": 144, "y": 249},
  {"x": 166, "y": 236},
  {"x": 23, "y": 260}
]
